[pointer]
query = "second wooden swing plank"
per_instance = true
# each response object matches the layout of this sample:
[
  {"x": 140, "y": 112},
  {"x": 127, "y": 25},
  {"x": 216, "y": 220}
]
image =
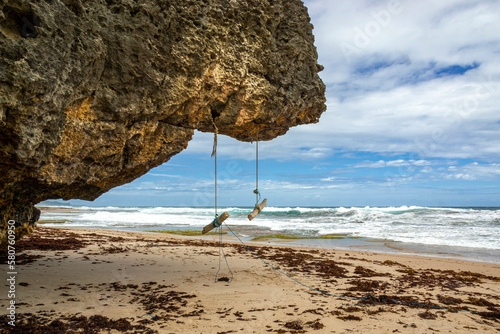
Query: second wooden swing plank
[{"x": 258, "y": 208}]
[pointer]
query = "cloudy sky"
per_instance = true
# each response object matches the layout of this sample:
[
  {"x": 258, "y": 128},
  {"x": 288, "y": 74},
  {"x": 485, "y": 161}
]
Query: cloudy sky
[{"x": 413, "y": 95}]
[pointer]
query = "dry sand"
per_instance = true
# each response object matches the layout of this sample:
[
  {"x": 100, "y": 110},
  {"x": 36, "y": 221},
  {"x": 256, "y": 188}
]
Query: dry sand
[{"x": 102, "y": 281}]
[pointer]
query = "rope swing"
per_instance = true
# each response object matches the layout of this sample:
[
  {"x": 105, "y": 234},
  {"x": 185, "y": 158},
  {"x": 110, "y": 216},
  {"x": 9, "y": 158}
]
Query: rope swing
[
  {"x": 218, "y": 220},
  {"x": 258, "y": 207}
]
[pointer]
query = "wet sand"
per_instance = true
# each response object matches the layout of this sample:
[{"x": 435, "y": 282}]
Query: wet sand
[{"x": 114, "y": 281}]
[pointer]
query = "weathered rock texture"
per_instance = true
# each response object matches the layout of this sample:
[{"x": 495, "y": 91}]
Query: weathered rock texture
[{"x": 93, "y": 94}]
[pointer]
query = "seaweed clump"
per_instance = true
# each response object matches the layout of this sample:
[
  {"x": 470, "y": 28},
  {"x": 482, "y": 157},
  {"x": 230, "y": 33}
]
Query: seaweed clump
[{"x": 31, "y": 323}]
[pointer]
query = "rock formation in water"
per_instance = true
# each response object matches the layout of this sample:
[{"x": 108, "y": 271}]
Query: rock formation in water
[{"x": 93, "y": 94}]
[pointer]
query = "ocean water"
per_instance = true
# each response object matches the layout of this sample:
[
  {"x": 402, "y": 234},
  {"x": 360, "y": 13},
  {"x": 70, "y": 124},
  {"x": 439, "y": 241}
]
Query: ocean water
[{"x": 477, "y": 228}]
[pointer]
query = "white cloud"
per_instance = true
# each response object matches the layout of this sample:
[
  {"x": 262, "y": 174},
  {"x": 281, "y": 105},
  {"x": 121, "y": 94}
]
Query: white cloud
[
  {"x": 474, "y": 171},
  {"x": 393, "y": 163},
  {"x": 398, "y": 104},
  {"x": 445, "y": 172}
]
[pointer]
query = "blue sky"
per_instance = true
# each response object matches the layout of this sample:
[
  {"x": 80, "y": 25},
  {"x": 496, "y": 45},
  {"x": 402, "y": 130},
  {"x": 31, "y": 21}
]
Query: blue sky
[{"x": 413, "y": 96}]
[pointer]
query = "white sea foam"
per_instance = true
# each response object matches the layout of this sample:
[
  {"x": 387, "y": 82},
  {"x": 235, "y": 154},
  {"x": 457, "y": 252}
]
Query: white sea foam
[{"x": 462, "y": 227}]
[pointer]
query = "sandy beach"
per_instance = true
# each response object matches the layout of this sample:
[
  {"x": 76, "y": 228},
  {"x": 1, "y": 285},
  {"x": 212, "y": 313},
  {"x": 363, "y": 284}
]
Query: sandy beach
[{"x": 103, "y": 281}]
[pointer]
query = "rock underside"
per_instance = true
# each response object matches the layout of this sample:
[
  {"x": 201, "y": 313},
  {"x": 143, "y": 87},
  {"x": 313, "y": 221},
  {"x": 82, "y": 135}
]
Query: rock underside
[{"x": 93, "y": 94}]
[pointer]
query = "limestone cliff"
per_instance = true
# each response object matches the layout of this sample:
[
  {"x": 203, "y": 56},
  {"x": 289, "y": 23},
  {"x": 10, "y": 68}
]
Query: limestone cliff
[{"x": 93, "y": 94}]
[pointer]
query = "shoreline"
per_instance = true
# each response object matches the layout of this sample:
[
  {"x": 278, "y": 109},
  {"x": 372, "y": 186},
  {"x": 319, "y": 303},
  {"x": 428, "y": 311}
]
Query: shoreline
[
  {"x": 348, "y": 241},
  {"x": 155, "y": 283}
]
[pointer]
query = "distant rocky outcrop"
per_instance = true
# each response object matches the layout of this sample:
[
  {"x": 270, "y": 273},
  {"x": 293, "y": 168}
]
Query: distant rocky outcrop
[{"x": 93, "y": 94}]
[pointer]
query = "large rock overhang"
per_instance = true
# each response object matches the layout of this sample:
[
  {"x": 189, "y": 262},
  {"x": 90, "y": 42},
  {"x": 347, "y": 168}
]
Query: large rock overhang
[{"x": 93, "y": 94}]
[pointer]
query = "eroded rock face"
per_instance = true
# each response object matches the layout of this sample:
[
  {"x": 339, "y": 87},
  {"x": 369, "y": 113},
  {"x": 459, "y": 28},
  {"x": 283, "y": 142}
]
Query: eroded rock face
[{"x": 93, "y": 94}]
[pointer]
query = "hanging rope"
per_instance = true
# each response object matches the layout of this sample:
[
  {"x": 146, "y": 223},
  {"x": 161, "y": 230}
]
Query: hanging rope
[
  {"x": 258, "y": 206},
  {"x": 256, "y": 191},
  {"x": 216, "y": 223},
  {"x": 221, "y": 256},
  {"x": 214, "y": 154}
]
